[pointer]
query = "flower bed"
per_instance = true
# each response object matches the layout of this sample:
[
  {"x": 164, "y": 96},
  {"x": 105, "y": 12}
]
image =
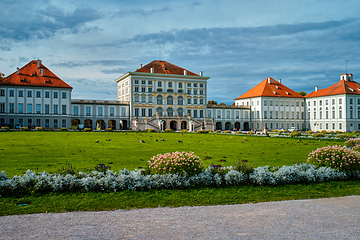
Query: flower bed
[{"x": 136, "y": 180}]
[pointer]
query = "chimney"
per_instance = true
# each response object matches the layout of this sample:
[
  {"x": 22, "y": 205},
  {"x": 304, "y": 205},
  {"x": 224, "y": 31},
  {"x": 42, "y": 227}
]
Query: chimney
[
  {"x": 185, "y": 72},
  {"x": 42, "y": 72},
  {"x": 140, "y": 65},
  {"x": 151, "y": 70},
  {"x": 280, "y": 80},
  {"x": 18, "y": 71},
  {"x": 269, "y": 79},
  {"x": 201, "y": 73},
  {"x": 316, "y": 88},
  {"x": 38, "y": 63}
]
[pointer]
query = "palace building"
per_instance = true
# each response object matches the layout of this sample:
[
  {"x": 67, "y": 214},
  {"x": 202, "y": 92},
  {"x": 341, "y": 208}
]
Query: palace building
[{"x": 161, "y": 95}]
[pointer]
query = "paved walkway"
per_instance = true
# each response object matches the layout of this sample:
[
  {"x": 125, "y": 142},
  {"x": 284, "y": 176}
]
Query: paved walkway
[{"x": 333, "y": 218}]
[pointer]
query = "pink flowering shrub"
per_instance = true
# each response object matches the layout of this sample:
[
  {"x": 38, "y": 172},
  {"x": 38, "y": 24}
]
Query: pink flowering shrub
[
  {"x": 352, "y": 142},
  {"x": 176, "y": 163},
  {"x": 336, "y": 157}
]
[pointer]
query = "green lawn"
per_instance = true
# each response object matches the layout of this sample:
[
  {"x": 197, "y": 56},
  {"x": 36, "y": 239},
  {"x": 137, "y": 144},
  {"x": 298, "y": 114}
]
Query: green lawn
[{"x": 49, "y": 151}]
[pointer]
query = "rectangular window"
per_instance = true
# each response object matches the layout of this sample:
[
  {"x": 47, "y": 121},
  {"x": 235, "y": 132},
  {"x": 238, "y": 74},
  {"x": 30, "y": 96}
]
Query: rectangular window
[
  {"x": 38, "y": 108},
  {"x": 195, "y": 84},
  {"x": 63, "y": 109},
  {"x": 209, "y": 113},
  {"x": 297, "y": 104},
  {"x": 38, "y": 122},
  {"x": 55, "y": 109},
  {"x": 201, "y": 101},
  {"x": 237, "y": 114},
  {"x": 55, "y": 123},
  {"x": 29, "y": 108},
  {"x": 189, "y": 84},
  {"x": 63, "y": 123},
  {"x": 150, "y": 89},
  {"x": 195, "y": 100},
  {"x": 143, "y": 111},
  {"x": 29, "y": 93},
  {"x": 271, "y": 102},
  {"x": 180, "y": 85},
  {"x": 21, "y": 93},
  {"x": 136, "y": 98},
  {"x": 150, "y": 99},
  {"x": 38, "y": 94},
  {"x": 149, "y": 82},
  {"x": 143, "y": 89},
  {"x": 228, "y": 114},
  {"x": 136, "y": 89},
  {"x": 88, "y": 111},
  {"x": 11, "y": 107},
  {"x": 265, "y": 103},
  {"x": 112, "y": 111},
  {"x": 351, "y": 101},
  {"x": 265, "y": 114},
  {"x": 218, "y": 114},
  {"x": 76, "y": 110},
  {"x": 56, "y": 94},
  {"x": 271, "y": 114},
  {"x": 136, "y": 81},
  {"x": 170, "y": 84},
  {"x": 47, "y": 122},
  {"x": 340, "y": 101},
  {"x": 100, "y": 111},
  {"x": 123, "y": 111},
  {"x": 195, "y": 91},
  {"x": 143, "y": 82},
  {"x": 47, "y": 108},
  {"x": 21, "y": 108},
  {"x": 195, "y": 113},
  {"x": 11, "y": 93},
  {"x": 136, "y": 112},
  {"x": 143, "y": 98},
  {"x": 2, "y": 92},
  {"x": 159, "y": 84},
  {"x": 47, "y": 94},
  {"x": 150, "y": 112},
  {"x": 201, "y": 113}
]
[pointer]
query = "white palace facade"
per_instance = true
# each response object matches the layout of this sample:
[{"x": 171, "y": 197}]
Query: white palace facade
[{"x": 161, "y": 95}]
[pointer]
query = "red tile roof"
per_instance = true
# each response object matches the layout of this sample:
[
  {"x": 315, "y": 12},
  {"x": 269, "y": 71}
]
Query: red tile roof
[
  {"x": 272, "y": 89},
  {"x": 164, "y": 67},
  {"x": 30, "y": 75},
  {"x": 341, "y": 87}
]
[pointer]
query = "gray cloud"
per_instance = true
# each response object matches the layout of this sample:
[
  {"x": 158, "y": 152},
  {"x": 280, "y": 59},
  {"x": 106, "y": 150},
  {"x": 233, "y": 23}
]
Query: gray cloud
[{"x": 42, "y": 21}]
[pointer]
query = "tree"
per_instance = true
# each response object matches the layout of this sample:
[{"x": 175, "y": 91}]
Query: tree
[
  {"x": 302, "y": 93},
  {"x": 212, "y": 102},
  {"x": 2, "y": 76}
]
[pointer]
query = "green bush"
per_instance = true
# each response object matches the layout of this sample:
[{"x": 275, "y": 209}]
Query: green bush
[
  {"x": 352, "y": 142},
  {"x": 324, "y": 131},
  {"x": 243, "y": 167},
  {"x": 169, "y": 130},
  {"x": 200, "y": 131},
  {"x": 38, "y": 129},
  {"x": 108, "y": 129},
  {"x": 238, "y": 132},
  {"x": 150, "y": 130},
  {"x": 176, "y": 163},
  {"x": 295, "y": 134},
  {"x": 337, "y": 157},
  {"x": 344, "y": 136},
  {"x": 24, "y": 128},
  {"x": 227, "y": 131},
  {"x": 318, "y": 135},
  {"x": 5, "y": 128},
  {"x": 218, "y": 131},
  {"x": 356, "y": 148},
  {"x": 64, "y": 129},
  {"x": 184, "y": 130},
  {"x": 209, "y": 131},
  {"x": 250, "y": 133},
  {"x": 87, "y": 129}
]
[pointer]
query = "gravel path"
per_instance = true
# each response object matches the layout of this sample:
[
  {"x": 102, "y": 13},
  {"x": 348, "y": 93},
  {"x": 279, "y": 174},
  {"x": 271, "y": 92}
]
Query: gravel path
[{"x": 332, "y": 218}]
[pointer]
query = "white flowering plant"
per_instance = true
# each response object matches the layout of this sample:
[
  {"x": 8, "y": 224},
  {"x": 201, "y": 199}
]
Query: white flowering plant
[
  {"x": 336, "y": 157},
  {"x": 176, "y": 163}
]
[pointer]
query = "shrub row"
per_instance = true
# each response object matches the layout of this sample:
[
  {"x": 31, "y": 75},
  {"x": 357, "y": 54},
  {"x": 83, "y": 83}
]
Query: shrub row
[{"x": 135, "y": 180}]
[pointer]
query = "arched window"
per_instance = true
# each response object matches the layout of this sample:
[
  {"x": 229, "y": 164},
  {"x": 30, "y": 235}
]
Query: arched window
[
  {"x": 159, "y": 111},
  {"x": 180, "y": 112},
  {"x": 159, "y": 100},
  {"x": 180, "y": 100},
  {"x": 170, "y": 112},
  {"x": 170, "y": 100}
]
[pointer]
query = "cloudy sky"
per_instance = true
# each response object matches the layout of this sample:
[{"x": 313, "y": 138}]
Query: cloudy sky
[{"x": 237, "y": 43}]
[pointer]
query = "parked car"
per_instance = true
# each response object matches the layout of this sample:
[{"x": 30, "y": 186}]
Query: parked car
[{"x": 18, "y": 126}]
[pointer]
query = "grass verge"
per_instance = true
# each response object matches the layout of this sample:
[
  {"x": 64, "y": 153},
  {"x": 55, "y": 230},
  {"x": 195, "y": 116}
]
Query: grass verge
[{"x": 101, "y": 201}]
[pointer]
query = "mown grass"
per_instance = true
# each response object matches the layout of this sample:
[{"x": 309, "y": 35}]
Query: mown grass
[
  {"x": 50, "y": 151},
  {"x": 100, "y": 201}
]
